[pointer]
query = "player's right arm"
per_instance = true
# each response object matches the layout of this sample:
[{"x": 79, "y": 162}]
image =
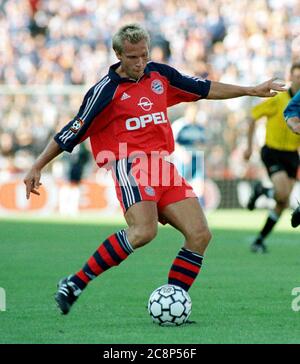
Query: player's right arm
[
  {"x": 265, "y": 108},
  {"x": 75, "y": 132},
  {"x": 32, "y": 178},
  {"x": 251, "y": 130}
]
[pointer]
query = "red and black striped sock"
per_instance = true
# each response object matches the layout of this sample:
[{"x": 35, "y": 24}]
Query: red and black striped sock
[
  {"x": 185, "y": 269},
  {"x": 110, "y": 253}
]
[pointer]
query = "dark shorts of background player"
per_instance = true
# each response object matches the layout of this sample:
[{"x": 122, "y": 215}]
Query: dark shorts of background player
[{"x": 277, "y": 160}]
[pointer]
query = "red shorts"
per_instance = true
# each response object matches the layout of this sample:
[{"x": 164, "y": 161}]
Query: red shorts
[{"x": 149, "y": 179}]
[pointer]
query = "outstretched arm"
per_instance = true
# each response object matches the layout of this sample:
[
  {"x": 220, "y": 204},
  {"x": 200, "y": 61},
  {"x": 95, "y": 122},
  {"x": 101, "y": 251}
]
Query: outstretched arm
[
  {"x": 32, "y": 178},
  {"x": 220, "y": 90}
]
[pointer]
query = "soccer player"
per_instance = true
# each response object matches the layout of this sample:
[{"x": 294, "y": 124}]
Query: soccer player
[
  {"x": 279, "y": 155},
  {"x": 292, "y": 117},
  {"x": 190, "y": 140},
  {"x": 125, "y": 117}
]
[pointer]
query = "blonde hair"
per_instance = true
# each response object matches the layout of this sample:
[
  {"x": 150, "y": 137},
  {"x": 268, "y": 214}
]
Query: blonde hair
[{"x": 134, "y": 33}]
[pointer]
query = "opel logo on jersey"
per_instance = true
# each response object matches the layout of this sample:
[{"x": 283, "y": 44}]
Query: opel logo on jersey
[
  {"x": 142, "y": 121},
  {"x": 145, "y": 103},
  {"x": 157, "y": 87}
]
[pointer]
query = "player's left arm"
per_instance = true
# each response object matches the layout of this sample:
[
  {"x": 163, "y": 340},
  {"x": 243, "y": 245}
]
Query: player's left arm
[
  {"x": 219, "y": 90},
  {"x": 184, "y": 88},
  {"x": 292, "y": 113}
]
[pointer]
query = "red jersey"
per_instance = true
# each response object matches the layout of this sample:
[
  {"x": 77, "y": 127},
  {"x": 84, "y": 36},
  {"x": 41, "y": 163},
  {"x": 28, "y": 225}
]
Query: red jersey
[{"x": 122, "y": 116}]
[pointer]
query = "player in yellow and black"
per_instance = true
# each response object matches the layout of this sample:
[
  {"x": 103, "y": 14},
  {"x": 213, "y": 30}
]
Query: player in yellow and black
[{"x": 279, "y": 155}]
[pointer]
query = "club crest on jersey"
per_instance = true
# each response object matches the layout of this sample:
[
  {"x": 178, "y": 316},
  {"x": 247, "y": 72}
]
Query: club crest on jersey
[
  {"x": 145, "y": 103},
  {"x": 76, "y": 126},
  {"x": 150, "y": 191},
  {"x": 157, "y": 87}
]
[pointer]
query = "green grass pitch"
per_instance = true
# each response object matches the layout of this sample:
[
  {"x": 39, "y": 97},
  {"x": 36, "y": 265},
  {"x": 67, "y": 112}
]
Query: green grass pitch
[{"x": 239, "y": 297}]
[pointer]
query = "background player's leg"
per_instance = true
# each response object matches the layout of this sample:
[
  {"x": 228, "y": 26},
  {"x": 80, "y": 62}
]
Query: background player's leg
[
  {"x": 187, "y": 217},
  {"x": 295, "y": 219},
  {"x": 142, "y": 221},
  {"x": 282, "y": 186}
]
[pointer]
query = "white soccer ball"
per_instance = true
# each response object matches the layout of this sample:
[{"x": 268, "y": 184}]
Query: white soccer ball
[{"x": 169, "y": 305}]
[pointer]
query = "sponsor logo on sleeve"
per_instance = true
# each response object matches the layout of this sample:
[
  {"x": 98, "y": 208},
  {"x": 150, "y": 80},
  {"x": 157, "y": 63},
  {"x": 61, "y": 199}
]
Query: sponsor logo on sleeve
[{"x": 76, "y": 126}]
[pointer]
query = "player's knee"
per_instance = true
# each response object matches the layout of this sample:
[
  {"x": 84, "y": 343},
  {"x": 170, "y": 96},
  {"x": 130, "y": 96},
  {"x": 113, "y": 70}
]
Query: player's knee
[
  {"x": 143, "y": 234},
  {"x": 205, "y": 236},
  {"x": 146, "y": 233},
  {"x": 282, "y": 198}
]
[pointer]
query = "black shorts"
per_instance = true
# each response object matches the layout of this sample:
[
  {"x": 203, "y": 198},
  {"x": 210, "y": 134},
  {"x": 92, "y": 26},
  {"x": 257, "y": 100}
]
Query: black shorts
[{"x": 277, "y": 160}]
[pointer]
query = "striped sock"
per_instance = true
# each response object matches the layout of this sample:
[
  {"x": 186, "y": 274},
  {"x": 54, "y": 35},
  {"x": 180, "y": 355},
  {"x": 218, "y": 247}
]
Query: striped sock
[
  {"x": 110, "y": 253},
  {"x": 185, "y": 268}
]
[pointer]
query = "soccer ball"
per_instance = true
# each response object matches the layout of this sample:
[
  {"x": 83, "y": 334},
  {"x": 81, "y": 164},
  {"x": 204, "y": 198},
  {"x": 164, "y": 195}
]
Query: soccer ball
[{"x": 169, "y": 305}]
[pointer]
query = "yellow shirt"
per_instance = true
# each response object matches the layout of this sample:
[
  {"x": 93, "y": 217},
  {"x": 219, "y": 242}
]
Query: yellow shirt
[{"x": 278, "y": 135}]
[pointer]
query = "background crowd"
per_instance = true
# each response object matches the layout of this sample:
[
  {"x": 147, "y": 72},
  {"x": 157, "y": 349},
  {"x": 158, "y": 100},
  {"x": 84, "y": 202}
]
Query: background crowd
[{"x": 52, "y": 51}]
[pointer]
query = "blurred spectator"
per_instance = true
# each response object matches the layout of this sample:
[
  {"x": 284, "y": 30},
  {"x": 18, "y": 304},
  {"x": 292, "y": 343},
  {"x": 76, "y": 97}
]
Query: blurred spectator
[
  {"x": 160, "y": 49},
  {"x": 190, "y": 139}
]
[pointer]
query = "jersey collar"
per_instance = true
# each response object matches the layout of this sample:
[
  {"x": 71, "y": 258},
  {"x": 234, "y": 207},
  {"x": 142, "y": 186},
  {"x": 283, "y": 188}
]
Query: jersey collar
[{"x": 117, "y": 78}]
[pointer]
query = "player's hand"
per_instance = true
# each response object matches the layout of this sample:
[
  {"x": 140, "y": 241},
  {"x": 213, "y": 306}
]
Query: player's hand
[
  {"x": 268, "y": 88},
  {"x": 32, "y": 182},
  {"x": 247, "y": 154},
  {"x": 294, "y": 124}
]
